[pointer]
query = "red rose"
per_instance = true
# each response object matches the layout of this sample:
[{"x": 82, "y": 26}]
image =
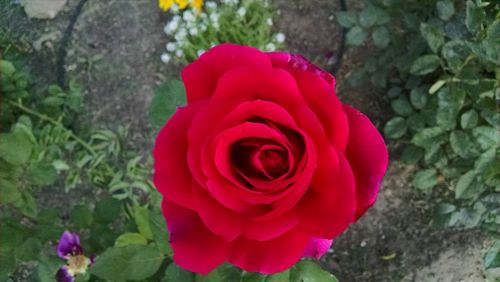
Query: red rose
[{"x": 264, "y": 165}]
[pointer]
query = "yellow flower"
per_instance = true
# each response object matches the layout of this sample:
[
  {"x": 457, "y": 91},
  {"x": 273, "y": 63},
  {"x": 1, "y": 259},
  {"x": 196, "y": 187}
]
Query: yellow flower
[
  {"x": 197, "y": 4},
  {"x": 165, "y": 4},
  {"x": 182, "y": 3}
]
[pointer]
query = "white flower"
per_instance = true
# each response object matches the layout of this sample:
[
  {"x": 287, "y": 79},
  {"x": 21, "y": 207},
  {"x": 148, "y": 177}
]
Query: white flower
[
  {"x": 242, "y": 11},
  {"x": 269, "y": 22},
  {"x": 170, "y": 46},
  {"x": 188, "y": 16},
  {"x": 214, "y": 17},
  {"x": 165, "y": 58},
  {"x": 179, "y": 53},
  {"x": 280, "y": 37},
  {"x": 270, "y": 47},
  {"x": 216, "y": 25},
  {"x": 211, "y": 5},
  {"x": 193, "y": 31},
  {"x": 171, "y": 27},
  {"x": 230, "y": 2},
  {"x": 181, "y": 35},
  {"x": 200, "y": 52},
  {"x": 176, "y": 18}
]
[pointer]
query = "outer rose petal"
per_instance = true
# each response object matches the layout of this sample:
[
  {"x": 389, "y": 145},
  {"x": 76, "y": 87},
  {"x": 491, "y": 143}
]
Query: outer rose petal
[
  {"x": 172, "y": 177},
  {"x": 317, "y": 247},
  {"x": 367, "y": 155},
  {"x": 270, "y": 256},
  {"x": 195, "y": 247},
  {"x": 201, "y": 76}
]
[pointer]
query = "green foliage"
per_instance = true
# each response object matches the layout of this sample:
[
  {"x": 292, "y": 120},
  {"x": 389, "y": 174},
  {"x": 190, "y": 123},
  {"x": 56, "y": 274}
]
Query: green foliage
[
  {"x": 168, "y": 97},
  {"x": 441, "y": 63}
]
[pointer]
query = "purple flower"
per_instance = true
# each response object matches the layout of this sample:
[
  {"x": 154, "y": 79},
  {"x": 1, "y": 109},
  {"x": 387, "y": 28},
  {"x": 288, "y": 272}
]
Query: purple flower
[{"x": 69, "y": 248}]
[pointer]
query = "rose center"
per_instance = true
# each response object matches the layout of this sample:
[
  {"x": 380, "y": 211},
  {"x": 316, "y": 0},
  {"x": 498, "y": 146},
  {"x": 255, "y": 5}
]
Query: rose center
[{"x": 274, "y": 162}]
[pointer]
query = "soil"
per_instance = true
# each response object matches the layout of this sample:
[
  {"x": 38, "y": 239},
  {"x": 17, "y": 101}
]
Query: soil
[{"x": 115, "y": 53}]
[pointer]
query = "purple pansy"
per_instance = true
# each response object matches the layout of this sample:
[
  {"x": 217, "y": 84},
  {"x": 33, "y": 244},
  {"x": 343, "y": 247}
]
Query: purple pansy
[{"x": 69, "y": 248}]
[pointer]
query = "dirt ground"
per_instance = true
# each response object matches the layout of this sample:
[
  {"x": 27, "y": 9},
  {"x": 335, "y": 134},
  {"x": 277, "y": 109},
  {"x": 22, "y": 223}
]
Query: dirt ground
[{"x": 114, "y": 53}]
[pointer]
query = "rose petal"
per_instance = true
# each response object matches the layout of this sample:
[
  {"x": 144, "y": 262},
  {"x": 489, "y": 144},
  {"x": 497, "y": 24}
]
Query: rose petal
[
  {"x": 195, "y": 247},
  {"x": 367, "y": 154},
  {"x": 326, "y": 212},
  {"x": 201, "y": 76},
  {"x": 270, "y": 256},
  {"x": 172, "y": 177}
]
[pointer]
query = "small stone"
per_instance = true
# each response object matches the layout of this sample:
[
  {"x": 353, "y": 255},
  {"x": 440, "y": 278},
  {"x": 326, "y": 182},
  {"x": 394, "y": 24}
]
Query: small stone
[
  {"x": 43, "y": 9},
  {"x": 363, "y": 244}
]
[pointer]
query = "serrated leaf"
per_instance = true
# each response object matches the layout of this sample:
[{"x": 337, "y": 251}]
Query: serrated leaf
[
  {"x": 168, "y": 97},
  {"x": 176, "y": 273},
  {"x": 395, "y": 128},
  {"x": 346, "y": 19},
  {"x": 445, "y": 9},
  {"x": 47, "y": 268},
  {"x": 41, "y": 174},
  {"x": 425, "y": 179},
  {"x": 433, "y": 36},
  {"x": 132, "y": 262},
  {"x": 425, "y": 64},
  {"x": 130, "y": 239},
  {"x": 141, "y": 217},
  {"x": 469, "y": 119},
  {"x": 307, "y": 270},
  {"x": 381, "y": 37},
  {"x": 402, "y": 106},
  {"x": 28, "y": 250},
  {"x": 486, "y": 136},
  {"x": 15, "y": 147},
  {"x": 8, "y": 192},
  {"x": 356, "y": 36},
  {"x": 160, "y": 232}
]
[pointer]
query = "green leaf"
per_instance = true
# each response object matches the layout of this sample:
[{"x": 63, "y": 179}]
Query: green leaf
[
  {"x": 492, "y": 256},
  {"x": 425, "y": 65},
  {"x": 130, "y": 239},
  {"x": 141, "y": 216},
  {"x": 455, "y": 53},
  {"x": 53, "y": 101},
  {"x": 433, "y": 36},
  {"x": 356, "y": 36},
  {"x": 28, "y": 250},
  {"x": 41, "y": 174},
  {"x": 469, "y": 119},
  {"x": 445, "y": 9},
  {"x": 27, "y": 204},
  {"x": 372, "y": 15},
  {"x": 425, "y": 179},
  {"x": 411, "y": 154},
  {"x": 346, "y": 19},
  {"x": 81, "y": 216},
  {"x": 395, "y": 128},
  {"x": 15, "y": 147},
  {"x": 47, "y": 268},
  {"x": 310, "y": 271},
  {"x": 54, "y": 89},
  {"x": 428, "y": 136},
  {"x": 469, "y": 217},
  {"x": 160, "y": 232},
  {"x": 485, "y": 159},
  {"x": 176, "y": 273},
  {"x": 464, "y": 184},
  {"x": 252, "y": 277},
  {"x": 381, "y": 37},
  {"x": 418, "y": 98},
  {"x": 8, "y": 192},
  {"x": 445, "y": 208},
  {"x": 486, "y": 136},
  {"x": 283, "y": 276},
  {"x": 107, "y": 210},
  {"x": 460, "y": 142},
  {"x": 168, "y": 97},
  {"x": 225, "y": 272},
  {"x": 402, "y": 106},
  {"x": 6, "y": 68},
  {"x": 416, "y": 121},
  {"x": 132, "y": 262},
  {"x": 474, "y": 16}
]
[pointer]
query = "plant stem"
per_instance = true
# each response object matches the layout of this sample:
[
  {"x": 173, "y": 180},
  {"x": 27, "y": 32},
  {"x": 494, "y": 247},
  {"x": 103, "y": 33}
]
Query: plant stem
[{"x": 53, "y": 122}]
